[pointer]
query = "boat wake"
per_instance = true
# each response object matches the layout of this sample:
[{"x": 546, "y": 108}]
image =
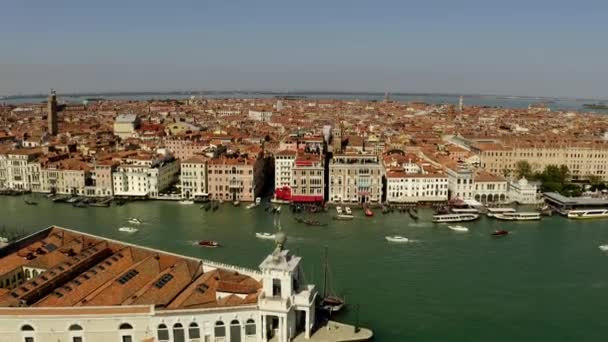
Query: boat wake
[{"x": 420, "y": 224}]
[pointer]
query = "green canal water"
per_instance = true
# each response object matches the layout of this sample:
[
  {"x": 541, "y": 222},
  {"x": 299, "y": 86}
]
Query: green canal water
[{"x": 546, "y": 281}]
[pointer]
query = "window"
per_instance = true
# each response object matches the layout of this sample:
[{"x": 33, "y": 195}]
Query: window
[
  {"x": 125, "y": 335},
  {"x": 220, "y": 329},
  {"x": 27, "y": 327},
  {"x": 250, "y": 327},
  {"x": 276, "y": 287},
  {"x": 194, "y": 334},
  {"x": 162, "y": 333},
  {"x": 178, "y": 333}
]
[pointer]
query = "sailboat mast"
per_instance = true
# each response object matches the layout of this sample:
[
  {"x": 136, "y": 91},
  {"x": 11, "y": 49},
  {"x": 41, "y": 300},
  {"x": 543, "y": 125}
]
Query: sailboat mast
[{"x": 325, "y": 275}]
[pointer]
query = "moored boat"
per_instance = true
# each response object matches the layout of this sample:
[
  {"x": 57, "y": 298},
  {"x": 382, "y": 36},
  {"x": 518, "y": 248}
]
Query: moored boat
[
  {"x": 348, "y": 211},
  {"x": 29, "y": 202},
  {"x": 413, "y": 214},
  {"x": 588, "y": 214},
  {"x": 186, "y": 202},
  {"x": 368, "y": 212},
  {"x": 330, "y": 301},
  {"x": 445, "y": 218},
  {"x": 339, "y": 210},
  {"x": 518, "y": 216},
  {"x": 491, "y": 212},
  {"x": 396, "y": 238},
  {"x": 209, "y": 243},
  {"x": 236, "y": 203}
]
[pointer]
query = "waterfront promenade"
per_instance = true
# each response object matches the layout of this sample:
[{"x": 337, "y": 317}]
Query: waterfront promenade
[{"x": 443, "y": 286}]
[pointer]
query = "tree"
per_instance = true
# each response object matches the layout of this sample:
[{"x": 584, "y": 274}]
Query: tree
[{"x": 523, "y": 169}]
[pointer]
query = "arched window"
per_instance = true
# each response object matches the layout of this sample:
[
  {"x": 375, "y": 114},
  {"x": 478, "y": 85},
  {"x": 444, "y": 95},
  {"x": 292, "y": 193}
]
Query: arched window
[
  {"x": 75, "y": 333},
  {"x": 220, "y": 329},
  {"x": 235, "y": 331},
  {"x": 162, "y": 333},
  {"x": 27, "y": 333},
  {"x": 178, "y": 333},
  {"x": 28, "y": 274},
  {"x": 250, "y": 327},
  {"x": 27, "y": 327},
  {"x": 125, "y": 332},
  {"x": 194, "y": 333}
]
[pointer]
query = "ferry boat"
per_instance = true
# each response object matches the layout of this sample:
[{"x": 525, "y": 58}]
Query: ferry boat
[
  {"x": 588, "y": 214},
  {"x": 129, "y": 230},
  {"x": 521, "y": 216},
  {"x": 396, "y": 238},
  {"x": 495, "y": 211},
  {"x": 469, "y": 210},
  {"x": 454, "y": 218},
  {"x": 266, "y": 236}
]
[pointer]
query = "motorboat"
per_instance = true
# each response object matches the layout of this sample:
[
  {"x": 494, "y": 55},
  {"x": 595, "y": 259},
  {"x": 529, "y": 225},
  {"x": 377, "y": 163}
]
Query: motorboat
[
  {"x": 588, "y": 214},
  {"x": 368, "y": 212},
  {"x": 348, "y": 211},
  {"x": 396, "y": 238},
  {"x": 339, "y": 210},
  {"x": 133, "y": 220},
  {"x": 251, "y": 206},
  {"x": 72, "y": 200},
  {"x": 236, "y": 203},
  {"x": 130, "y": 230},
  {"x": 500, "y": 232},
  {"x": 209, "y": 244},
  {"x": 413, "y": 214},
  {"x": 186, "y": 202},
  {"x": 604, "y": 248},
  {"x": 266, "y": 236},
  {"x": 344, "y": 217},
  {"x": 3, "y": 239},
  {"x": 445, "y": 218},
  {"x": 518, "y": 216},
  {"x": 459, "y": 228}
]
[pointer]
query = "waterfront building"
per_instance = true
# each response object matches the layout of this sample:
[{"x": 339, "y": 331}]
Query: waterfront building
[
  {"x": 308, "y": 174},
  {"x": 355, "y": 177},
  {"x": 582, "y": 159},
  {"x": 283, "y": 173},
  {"x": 52, "y": 113},
  {"x": 230, "y": 179},
  {"x": 63, "y": 285},
  {"x": 145, "y": 176},
  {"x": 17, "y": 169},
  {"x": 73, "y": 177},
  {"x": 489, "y": 188},
  {"x": 523, "y": 192},
  {"x": 125, "y": 125},
  {"x": 193, "y": 177},
  {"x": 405, "y": 187},
  {"x": 460, "y": 181},
  {"x": 102, "y": 178}
]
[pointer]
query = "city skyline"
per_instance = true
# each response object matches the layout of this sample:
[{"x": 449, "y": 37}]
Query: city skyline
[{"x": 540, "y": 49}]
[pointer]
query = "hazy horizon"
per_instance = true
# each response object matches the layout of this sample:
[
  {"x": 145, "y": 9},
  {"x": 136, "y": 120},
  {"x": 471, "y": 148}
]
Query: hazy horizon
[{"x": 540, "y": 49}]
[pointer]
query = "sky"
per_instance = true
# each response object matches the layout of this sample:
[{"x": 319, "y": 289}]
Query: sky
[{"x": 534, "y": 47}]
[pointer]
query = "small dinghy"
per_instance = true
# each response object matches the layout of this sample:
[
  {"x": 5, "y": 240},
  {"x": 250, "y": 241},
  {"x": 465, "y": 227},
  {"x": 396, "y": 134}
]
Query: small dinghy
[
  {"x": 604, "y": 248},
  {"x": 134, "y": 221},
  {"x": 396, "y": 238},
  {"x": 208, "y": 243},
  {"x": 500, "y": 232}
]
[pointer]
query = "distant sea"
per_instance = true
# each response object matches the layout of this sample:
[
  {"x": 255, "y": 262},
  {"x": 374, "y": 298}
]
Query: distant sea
[{"x": 556, "y": 104}]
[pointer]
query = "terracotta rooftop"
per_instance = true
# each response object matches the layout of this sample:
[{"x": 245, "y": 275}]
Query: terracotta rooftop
[{"x": 81, "y": 270}]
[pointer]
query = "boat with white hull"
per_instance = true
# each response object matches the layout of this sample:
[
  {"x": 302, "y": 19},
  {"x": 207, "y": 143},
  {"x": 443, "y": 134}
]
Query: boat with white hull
[
  {"x": 588, "y": 214},
  {"x": 518, "y": 216},
  {"x": 492, "y": 212},
  {"x": 265, "y": 236},
  {"x": 396, "y": 238},
  {"x": 461, "y": 229},
  {"x": 129, "y": 230},
  {"x": 446, "y": 218}
]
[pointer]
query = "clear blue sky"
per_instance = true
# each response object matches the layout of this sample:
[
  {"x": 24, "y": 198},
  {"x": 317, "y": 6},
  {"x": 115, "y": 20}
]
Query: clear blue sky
[{"x": 534, "y": 47}]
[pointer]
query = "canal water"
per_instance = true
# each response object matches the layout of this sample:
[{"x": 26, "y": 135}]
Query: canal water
[{"x": 546, "y": 281}]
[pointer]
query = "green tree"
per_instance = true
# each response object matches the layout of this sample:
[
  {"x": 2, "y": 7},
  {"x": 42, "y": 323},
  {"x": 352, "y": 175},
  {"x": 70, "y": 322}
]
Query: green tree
[{"x": 523, "y": 169}]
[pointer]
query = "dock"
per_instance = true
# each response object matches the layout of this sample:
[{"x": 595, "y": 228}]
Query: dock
[{"x": 335, "y": 332}]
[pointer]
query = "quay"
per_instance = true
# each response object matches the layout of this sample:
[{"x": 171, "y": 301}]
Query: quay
[{"x": 338, "y": 332}]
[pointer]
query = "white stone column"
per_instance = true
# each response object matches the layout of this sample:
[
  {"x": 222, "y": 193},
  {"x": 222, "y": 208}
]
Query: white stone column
[
  {"x": 307, "y": 327},
  {"x": 281, "y": 329},
  {"x": 262, "y": 332}
]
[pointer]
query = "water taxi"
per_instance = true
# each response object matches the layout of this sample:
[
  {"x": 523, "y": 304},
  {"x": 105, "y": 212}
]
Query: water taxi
[
  {"x": 133, "y": 220},
  {"x": 396, "y": 238},
  {"x": 129, "y": 230},
  {"x": 459, "y": 228},
  {"x": 491, "y": 212},
  {"x": 266, "y": 236},
  {"x": 588, "y": 214},
  {"x": 445, "y": 218},
  {"x": 521, "y": 216}
]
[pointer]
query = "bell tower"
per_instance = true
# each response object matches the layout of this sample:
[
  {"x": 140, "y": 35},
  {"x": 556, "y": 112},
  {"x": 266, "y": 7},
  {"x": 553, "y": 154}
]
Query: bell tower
[{"x": 52, "y": 113}]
